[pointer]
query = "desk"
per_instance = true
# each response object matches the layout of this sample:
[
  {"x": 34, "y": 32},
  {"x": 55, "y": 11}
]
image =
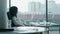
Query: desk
[
  {"x": 47, "y": 25},
  {"x": 26, "y": 30},
  {"x": 55, "y": 28}
]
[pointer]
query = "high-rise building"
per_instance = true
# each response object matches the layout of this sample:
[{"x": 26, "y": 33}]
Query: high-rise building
[
  {"x": 34, "y": 6},
  {"x": 38, "y": 7},
  {"x": 52, "y": 7}
]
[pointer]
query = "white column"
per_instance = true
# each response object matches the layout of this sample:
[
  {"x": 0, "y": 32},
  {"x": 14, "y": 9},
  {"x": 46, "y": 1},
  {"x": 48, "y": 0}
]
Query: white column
[{"x": 3, "y": 14}]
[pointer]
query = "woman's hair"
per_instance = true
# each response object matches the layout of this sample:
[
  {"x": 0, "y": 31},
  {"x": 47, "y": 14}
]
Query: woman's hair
[{"x": 13, "y": 11}]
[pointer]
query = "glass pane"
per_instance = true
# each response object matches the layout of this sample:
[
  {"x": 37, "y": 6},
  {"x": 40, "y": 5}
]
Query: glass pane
[
  {"x": 31, "y": 10},
  {"x": 54, "y": 11},
  {"x": 7, "y": 5}
]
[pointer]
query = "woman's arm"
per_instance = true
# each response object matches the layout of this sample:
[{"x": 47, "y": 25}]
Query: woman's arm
[{"x": 17, "y": 21}]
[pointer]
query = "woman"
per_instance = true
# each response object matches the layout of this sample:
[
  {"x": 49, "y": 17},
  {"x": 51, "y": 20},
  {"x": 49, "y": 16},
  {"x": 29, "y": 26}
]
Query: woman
[{"x": 12, "y": 15}]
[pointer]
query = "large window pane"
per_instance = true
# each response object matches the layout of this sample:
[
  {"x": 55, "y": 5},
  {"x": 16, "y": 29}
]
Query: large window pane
[
  {"x": 31, "y": 10},
  {"x": 54, "y": 11},
  {"x": 7, "y": 5}
]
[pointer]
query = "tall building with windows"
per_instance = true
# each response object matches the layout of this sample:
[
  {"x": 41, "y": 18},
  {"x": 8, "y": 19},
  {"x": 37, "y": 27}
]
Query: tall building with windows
[
  {"x": 38, "y": 7},
  {"x": 52, "y": 6},
  {"x": 34, "y": 6}
]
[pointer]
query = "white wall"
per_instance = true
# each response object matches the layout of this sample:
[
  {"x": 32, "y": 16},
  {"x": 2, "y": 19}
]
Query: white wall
[{"x": 3, "y": 14}]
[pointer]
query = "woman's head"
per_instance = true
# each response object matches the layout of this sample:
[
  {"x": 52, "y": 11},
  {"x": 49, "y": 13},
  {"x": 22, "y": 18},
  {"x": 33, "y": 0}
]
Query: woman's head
[{"x": 13, "y": 10}]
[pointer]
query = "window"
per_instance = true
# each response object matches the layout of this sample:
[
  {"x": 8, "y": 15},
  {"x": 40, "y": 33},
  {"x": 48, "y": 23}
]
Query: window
[
  {"x": 31, "y": 10},
  {"x": 54, "y": 11},
  {"x": 7, "y": 5},
  {"x": 35, "y": 10}
]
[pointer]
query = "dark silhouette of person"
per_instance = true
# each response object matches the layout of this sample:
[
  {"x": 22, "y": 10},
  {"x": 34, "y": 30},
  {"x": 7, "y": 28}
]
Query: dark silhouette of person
[{"x": 12, "y": 13}]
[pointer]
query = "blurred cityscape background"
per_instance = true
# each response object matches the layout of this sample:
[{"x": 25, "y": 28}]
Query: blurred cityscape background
[{"x": 37, "y": 11}]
